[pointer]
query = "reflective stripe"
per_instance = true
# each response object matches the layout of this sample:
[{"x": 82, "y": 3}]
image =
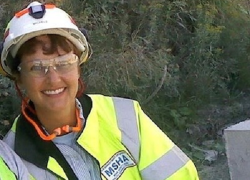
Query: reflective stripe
[
  {"x": 128, "y": 125},
  {"x": 34, "y": 171},
  {"x": 11, "y": 165},
  {"x": 39, "y": 173},
  {"x": 165, "y": 166}
]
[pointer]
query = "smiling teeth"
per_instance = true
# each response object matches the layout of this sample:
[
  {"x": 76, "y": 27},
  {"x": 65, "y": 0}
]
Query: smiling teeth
[{"x": 54, "y": 92}]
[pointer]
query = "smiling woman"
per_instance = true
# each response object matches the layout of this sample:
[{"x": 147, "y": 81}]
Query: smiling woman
[{"x": 70, "y": 134}]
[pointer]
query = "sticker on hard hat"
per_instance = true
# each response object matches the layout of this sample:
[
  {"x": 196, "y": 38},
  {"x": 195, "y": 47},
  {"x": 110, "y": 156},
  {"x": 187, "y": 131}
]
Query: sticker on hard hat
[
  {"x": 118, "y": 163},
  {"x": 39, "y": 22}
]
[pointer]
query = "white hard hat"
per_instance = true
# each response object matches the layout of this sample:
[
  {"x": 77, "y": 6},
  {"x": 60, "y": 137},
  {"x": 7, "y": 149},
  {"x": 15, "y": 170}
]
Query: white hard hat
[{"x": 35, "y": 20}]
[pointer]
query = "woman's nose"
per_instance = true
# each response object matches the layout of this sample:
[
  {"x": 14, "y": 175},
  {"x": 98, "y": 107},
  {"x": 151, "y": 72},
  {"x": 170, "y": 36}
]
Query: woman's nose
[{"x": 52, "y": 75}]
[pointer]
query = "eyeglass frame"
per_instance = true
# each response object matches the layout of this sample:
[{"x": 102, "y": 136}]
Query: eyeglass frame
[{"x": 45, "y": 64}]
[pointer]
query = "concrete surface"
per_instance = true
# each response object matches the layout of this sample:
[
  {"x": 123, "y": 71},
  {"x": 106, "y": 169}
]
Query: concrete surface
[{"x": 238, "y": 150}]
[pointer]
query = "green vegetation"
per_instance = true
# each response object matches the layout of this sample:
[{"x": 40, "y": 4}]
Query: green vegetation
[{"x": 175, "y": 57}]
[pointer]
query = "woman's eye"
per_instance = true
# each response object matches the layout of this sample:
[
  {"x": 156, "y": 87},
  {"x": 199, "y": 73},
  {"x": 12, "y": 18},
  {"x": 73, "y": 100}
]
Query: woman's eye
[
  {"x": 62, "y": 64},
  {"x": 36, "y": 68}
]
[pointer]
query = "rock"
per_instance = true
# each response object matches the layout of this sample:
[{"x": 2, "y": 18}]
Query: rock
[
  {"x": 5, "y": 94},
  {"x": 211, "y": 155},
  {"x": 5, "y": 122}
]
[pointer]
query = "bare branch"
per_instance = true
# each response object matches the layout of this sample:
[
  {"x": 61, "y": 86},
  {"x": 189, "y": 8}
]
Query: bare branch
[{"x": 159, "y": 86}]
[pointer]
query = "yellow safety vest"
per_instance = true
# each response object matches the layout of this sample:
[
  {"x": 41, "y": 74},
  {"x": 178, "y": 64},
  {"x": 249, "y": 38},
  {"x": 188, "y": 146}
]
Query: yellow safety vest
[{"x": 127, "y": 144}]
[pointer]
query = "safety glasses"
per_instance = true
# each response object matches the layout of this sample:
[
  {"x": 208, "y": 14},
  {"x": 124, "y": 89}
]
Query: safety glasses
[{"x": 39, "y": 68}]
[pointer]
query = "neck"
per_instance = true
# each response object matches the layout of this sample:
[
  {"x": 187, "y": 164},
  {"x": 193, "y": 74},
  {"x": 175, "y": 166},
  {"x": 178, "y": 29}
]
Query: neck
[{"x": 55, "y": 119}]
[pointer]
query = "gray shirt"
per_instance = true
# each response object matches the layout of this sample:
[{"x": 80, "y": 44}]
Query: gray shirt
[{"x": 83, "y": 164}]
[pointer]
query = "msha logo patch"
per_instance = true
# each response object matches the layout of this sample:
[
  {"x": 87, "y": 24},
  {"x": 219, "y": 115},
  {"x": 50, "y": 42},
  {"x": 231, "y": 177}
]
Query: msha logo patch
[{"x": 114, "y": 168}]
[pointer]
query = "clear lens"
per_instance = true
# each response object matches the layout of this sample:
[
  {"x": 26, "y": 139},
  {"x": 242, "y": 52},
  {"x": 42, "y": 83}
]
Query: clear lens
[{"x": 39, "y": 68}]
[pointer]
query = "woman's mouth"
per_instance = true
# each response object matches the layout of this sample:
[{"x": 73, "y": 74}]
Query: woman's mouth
[{"x": 53, "y": 92}]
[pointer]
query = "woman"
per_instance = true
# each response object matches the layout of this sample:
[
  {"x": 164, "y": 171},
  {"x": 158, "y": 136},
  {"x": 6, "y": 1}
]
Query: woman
[{"x": 62, "y": 133}]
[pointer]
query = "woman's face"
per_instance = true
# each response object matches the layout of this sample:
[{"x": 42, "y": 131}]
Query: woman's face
[{"x": 54, "y": 91}]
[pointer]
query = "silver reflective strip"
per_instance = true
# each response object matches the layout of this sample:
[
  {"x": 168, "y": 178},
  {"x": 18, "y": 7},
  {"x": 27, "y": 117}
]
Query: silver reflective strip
[
  {"x": 9, "y": 138},
  {"x": 39, "y": 173},
  {"x": 33, "y": 170},
  {"x": 13, "y": 162},
  {"x": 127, "y": 123},
  {"x": 165, "y": 166}
]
